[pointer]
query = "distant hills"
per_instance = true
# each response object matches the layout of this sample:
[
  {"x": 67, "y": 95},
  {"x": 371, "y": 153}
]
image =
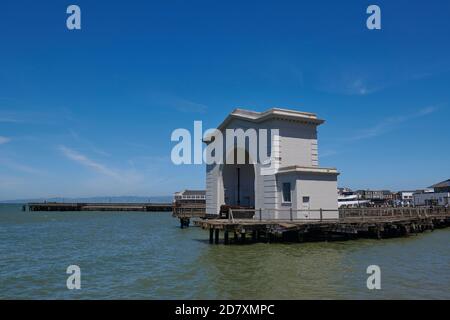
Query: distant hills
[{"x": 116, "y": 199}]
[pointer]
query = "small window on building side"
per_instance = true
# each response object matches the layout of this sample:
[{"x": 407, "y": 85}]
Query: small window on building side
[
  {"x": 286, "y": 192},
  {"x": 305, "y": 199}
]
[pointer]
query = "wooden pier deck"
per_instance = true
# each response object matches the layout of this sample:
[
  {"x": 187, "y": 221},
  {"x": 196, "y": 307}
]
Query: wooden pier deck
[
  {"x": 351, "y": 224},
  {"x": 58, "y": 206},
  {"x": 186, "y": 212}
]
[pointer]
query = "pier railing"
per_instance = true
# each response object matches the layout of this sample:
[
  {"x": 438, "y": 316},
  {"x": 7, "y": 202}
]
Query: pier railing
[
  {"x": 191, "y": 210},
  {"x": 393, "y": 213},
  {"x": 290, "y": 214}
]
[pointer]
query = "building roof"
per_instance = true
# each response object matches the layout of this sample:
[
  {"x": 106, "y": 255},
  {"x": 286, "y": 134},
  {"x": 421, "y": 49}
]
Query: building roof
[
  {"x": 379, "y": 191},
  {"x": 285, "y": 114},
  {"x": 442, "y": 184},
  {"x": 192, "y": 192},
  {"x": 301, "y": 169}
]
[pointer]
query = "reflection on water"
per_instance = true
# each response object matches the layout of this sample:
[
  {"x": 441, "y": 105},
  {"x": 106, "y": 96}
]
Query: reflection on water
[{"x": 146, "y": 256}]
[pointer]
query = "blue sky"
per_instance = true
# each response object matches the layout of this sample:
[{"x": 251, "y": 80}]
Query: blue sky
[{"x": 90, "y": 112}]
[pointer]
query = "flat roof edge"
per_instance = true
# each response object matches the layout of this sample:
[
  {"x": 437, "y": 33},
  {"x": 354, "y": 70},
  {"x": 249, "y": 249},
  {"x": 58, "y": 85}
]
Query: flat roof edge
[
  {"x": 257, "y": 117},
  {"x": 299, "y": 169}
]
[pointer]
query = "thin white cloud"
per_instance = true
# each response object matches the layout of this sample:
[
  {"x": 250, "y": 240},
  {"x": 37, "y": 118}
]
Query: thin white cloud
[
  {"x": 390, "y": 124},
  {"x": 348, "y": 81},
  {"x": 177, "y": 103},
  {"x": 4, "y": 140},
  {"x": 54, "y": 118},
  {"x": 87, "y": 162},
  {"x": 24, "y": 168},
  {"x": 14, "y": 165},
  {"x": 358, "y": 87},
  {"x": 78, "y": 138},
  {"x": 327, "y": 153},
  {"x": 186, "y": 106},
  {"x": 9, "y": 120}
]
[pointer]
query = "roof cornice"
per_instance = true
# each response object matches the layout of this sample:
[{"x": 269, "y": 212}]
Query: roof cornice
[
  {"x": 303, "y": 169},
  {"x": 273, "y": 113}
]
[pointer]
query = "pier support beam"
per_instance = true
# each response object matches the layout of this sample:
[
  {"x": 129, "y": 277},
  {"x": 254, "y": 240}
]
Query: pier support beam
[
  {"x": 184, "y": 222},
  {"x": 217, "y": 236},
  {"x": 378, "y": 234},
  {"x": 267, "y": 236},
  {"x": 225, "y": 237},
  {"x": 236, "y": 237},
  {"x": 243, "y": 235},
  {"x": 211, "y": 235}
]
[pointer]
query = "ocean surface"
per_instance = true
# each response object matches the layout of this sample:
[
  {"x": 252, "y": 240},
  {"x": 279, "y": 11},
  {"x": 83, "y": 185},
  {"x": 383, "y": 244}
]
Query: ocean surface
[{"x": 131, "y": 255}]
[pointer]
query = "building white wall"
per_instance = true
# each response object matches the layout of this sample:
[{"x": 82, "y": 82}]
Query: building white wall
[
  {"x": 407, "y": 195},
  {"x": 298, "y": 143},
  {"x": 321, "y": 188},
  {"x": 309, "y": 191},
  {"x": 213, "y": 197},
  {"x": 442, "y": 198}
]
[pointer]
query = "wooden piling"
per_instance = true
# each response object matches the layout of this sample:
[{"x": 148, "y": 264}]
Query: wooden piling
[
  {"x": 243, "y": 236},
  {"x": 225, "y": 237},
  {"x": 217, "y": 231},
  {"x": 258, "y": 235},
  {"x": 184, "y": 222},
  {"x": 211, "y": 235}
]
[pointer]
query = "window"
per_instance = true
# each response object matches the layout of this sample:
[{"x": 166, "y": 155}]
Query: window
[
  {"x": 286, "y": 192},
  {"x": 305, "y": 199}
]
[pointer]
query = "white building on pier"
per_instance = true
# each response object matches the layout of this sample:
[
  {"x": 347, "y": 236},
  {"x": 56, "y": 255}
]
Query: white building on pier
[{"x": 293, "y": 180}]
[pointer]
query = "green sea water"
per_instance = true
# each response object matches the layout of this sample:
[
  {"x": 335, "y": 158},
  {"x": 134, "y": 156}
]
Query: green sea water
[{"x": 131, "y": 255}]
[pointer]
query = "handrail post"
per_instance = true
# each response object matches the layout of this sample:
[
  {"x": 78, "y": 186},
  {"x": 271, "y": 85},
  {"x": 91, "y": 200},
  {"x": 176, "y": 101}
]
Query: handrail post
[
  {"x": 321, "y": 214},
  {"x": 290, "y": 212},
  {"x": 260, "y": 214}
]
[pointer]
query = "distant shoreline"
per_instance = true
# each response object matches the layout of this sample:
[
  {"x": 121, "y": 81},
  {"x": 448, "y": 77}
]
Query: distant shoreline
[{"x": 114, "y": 199}]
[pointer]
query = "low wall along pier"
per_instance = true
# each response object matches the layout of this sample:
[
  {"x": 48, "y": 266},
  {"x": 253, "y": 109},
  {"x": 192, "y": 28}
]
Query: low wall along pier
[{"x": 53, "y": 206}]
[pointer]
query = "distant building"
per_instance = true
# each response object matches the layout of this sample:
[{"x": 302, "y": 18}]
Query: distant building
[
  {"x": 384, "y": 195},
  {"x": 190, "y": 196},
  {"x": 443, "y": 186},
  {"x": 405, "y": 197},
  {"x": 438, "y": 197},
  {"x": 189, "y": 202},
  {"x": 432, "y": 199},
  {"x": 349, "y": 199},
  {"x": 344, "y": 190}
]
